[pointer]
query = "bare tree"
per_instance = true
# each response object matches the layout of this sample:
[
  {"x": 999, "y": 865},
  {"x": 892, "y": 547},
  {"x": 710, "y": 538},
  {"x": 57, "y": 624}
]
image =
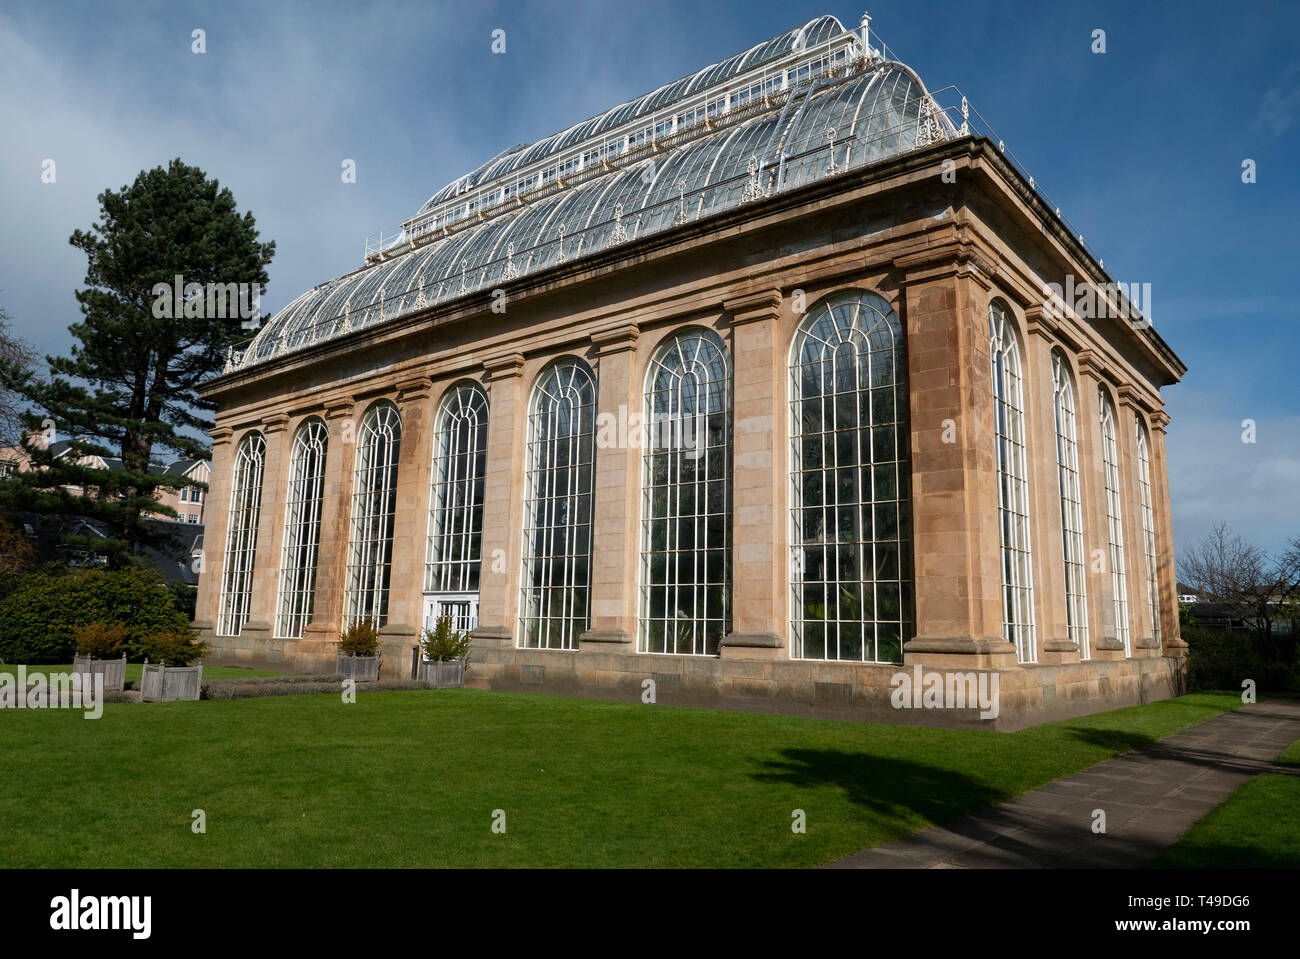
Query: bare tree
[
  {"x": 1224, "y": 568},
  {"x": 14, "y": 350}
]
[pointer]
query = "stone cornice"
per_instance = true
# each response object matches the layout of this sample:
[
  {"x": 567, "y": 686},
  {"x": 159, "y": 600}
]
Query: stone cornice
[
  {"x": 754, "y": 307},
  {"x": 275, "y": 423},
  {"x": 414, "y": 388},
  {"x": 620, "y": 340},
  {"x": 1160, "y": 421},
  {"x": 340, "y": 408},
  {"x": 503, "y": 367},
  {"x": 220, "y": 435}
]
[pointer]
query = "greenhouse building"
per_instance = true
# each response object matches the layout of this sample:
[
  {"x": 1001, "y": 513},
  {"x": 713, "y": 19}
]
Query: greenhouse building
[{"x": 757, "y": 391}]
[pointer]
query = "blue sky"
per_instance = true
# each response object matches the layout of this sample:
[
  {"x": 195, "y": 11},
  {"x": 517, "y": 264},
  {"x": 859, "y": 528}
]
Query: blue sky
[{"x": 1141, "y": 147}]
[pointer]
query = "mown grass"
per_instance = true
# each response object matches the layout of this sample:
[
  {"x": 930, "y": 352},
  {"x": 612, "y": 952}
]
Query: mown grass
[
  {"x": 1258, "y": 827},
  {"x": 414, "y": 778}
]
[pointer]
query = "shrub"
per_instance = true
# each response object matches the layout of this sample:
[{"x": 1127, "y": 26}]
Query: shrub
[
  {"x": 39, "y": 616},
  {"x": 99, "y": 640},
  {"x": 1222, "y": 658},
  {"x": 360, "y": 639},
  {"x": 174, "y": 648},
  {"x": 443, "y": 642}
]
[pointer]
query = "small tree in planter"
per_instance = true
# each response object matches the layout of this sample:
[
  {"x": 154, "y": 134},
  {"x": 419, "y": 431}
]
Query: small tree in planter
[
  {"x": 448, "y": 650},
  {"x": 97, "y": 647},
  {"x": 171, "y": 678},
  {"x": 358, "y": 657}
]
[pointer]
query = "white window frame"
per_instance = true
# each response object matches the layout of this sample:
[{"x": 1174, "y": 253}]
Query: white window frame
[
  {"x": 1148, "y": 526},
  {"x": 1114, "y": 519},
  {"x": 555, "y": 586},
  {"x": 374, "y": 502},
  {"x": 1015, "y": 556},
  {"x": 240, "y": 555},
  {"x": 870, "y": 523},
  {"x": 688, "y": 425},
  {"x": 300, "y": 550},
  {"x": 1074, "y": 558}
]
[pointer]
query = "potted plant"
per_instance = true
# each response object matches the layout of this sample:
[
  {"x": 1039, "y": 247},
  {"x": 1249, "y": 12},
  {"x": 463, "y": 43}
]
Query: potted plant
[
  {"x": 98, "y": 644},
  {"x": 172, "y": 677},
  {"x": 358, "y": 657},
  {"x": 446, "y": 651}
]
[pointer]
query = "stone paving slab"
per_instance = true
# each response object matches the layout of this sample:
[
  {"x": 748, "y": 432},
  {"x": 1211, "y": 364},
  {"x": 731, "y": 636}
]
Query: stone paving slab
[{"x": 1151, "y": 796}]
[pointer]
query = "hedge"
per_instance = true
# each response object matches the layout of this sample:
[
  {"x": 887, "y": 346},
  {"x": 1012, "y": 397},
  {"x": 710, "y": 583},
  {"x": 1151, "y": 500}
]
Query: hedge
[{"x": 39, "y": 614}]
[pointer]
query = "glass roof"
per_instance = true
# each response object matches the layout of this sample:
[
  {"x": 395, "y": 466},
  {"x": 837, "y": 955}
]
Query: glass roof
[
  {"x": 810, "y": 34},
  {"x": 872, "y": 111}
]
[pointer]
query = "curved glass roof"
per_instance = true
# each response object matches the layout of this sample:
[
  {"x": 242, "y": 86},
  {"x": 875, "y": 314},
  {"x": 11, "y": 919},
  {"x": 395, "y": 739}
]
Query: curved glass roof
[
  {"x": 811, "y": 33},
  {"x": 870, "y": 113}
]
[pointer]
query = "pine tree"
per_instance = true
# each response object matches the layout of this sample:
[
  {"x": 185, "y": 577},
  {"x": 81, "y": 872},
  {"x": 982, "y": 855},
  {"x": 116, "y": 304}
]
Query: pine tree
[{"x": 128, "y": 389}]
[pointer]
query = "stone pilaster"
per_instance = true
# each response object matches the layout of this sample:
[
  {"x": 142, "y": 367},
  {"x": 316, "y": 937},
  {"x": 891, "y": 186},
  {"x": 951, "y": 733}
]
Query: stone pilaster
[
  {"x": 1050, "y": 603},
  {"x": 1166, "y": 568},
  {"x": 954, "y": 465},
  {"x": 1096, "y": 528},
  {"x": 498, "y": 601},
  {"x": 760, "y": 546},
  {"x": 1127, "y": 414},
  {"x": 410, "y": 528},
  {"x": 615, "y": 540},
  {"x": 336, "y": 507}
]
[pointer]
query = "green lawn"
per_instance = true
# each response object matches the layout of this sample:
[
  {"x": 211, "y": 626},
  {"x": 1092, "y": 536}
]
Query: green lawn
[
  {"x": 1257, "y": 828},
  {"x": 133, "y": 671},
  {"x": 413, "y": 778}
]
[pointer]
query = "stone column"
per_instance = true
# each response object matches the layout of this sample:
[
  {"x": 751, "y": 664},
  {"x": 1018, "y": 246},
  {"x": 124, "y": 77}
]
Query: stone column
[
  {"x": 760, "y": 545},
  {"x": 1128, "y": 414},
  {"x": 410, "y": 526},
  {"x": 954, "y": 465},
  {"x": 1096, "y": 529},
  {"x": 216, "y": 515},
  {"x": 503, "y": 508},
  {"x": 615, "y": 540},
  {"x": 1050, "y": 612},
  {"x": 320, "y": 635},
  {"x": 1166, "y": 568}
]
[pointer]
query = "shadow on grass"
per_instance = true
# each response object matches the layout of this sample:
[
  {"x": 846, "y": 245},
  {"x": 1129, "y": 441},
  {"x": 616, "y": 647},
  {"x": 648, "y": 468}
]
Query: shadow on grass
[
  {"x": 897, "y": 791},
  {"x": 1221, "y": 856},
  {"x": 1113, "y": 740}
]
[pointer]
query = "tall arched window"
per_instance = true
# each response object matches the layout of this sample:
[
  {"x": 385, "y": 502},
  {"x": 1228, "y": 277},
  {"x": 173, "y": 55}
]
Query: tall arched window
[
  {"x": 1148, "y": 528},
  {"x": 1114, "y": 519},
  {"x": 556, "y": 589},
  {"x": 302, "y": 511},
  {"x": 1013, "y": 486},
  {"x": 454, "y": 551},
  {"x": 851, "y": 567},
  {"x": 686, "y": 497},
  {"x": 241, "y": 534},
  {"x": 374, "y": 502},
  {"x": 1067, "y": 471}
]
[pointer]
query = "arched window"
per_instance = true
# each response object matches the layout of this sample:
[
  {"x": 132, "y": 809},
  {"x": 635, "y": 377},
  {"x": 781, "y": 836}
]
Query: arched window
[
  {"x": 556, "y": 588},
  {"x": 1013, "y": 486},
  {"x": 302, "y": 511},
  {"x": 454, "y": 551},
  {"x": 1114, "y": 519},
  {"x": 851, "y": 567},
  {"x": 1148, "y": 528},
  {"x": 374, "y": 501},
  {"x": 686, "y": 497},
  {"x": 241, "y": 534},
  {"x": 1067, "y": 471}
]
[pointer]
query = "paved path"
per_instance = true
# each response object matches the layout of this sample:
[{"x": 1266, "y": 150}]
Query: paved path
[{"x": 1151, "y": 797}]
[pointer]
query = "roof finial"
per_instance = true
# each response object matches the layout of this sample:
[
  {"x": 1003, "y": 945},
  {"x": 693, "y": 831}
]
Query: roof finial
[{"x": 865, "y": 23}]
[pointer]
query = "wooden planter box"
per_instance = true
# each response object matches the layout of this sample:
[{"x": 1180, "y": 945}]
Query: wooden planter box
[
  {"x": 361, "y": 669},
  {"x": 168, "y": 684},
  {"x": 443, "y": 674},
  {"x": 114, "y": 671}
]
